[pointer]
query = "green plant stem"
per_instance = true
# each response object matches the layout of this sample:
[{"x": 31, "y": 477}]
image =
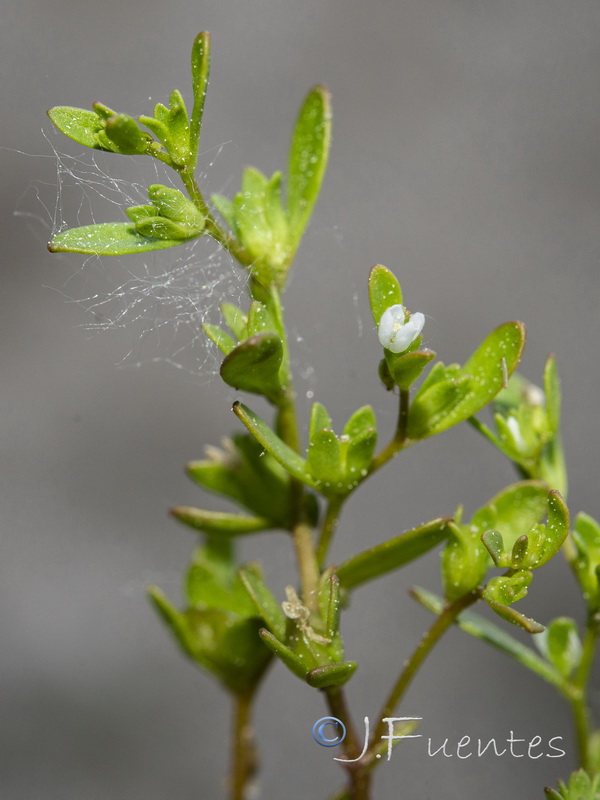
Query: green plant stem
[
  {"x": 411, "y": 667},
  {"x": 212, "y": 227},
  {"x": 579, "y": 707},
  {"x": 359, "y": 780},
  {"x": 244, "y": 750},
  {"x": 330, "y": 523},
  {"x": 400, "y": 439}
]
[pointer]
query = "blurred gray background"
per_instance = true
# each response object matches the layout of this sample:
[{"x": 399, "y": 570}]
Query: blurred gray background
[{"x": 466, "y": 157}]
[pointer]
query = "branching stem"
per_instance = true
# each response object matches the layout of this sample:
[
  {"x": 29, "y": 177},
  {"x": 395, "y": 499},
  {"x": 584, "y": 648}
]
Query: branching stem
[{"x": 579, "y": 706}]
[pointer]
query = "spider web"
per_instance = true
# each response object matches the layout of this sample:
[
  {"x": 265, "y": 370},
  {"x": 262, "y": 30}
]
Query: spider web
[{"x": 161, "y": 298}]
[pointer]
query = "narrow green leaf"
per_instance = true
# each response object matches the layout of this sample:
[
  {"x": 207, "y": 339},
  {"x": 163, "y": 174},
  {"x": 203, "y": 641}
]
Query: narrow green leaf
[
  {"x": 200, "y": 73},
  {"x": 266, "y": 604},
  {"x": 587, "y": 541},
  {"x": 332, "y": 617},
  {"x": 236, "y": 320},
  {"x": 495, "y": 546},
  {"x": 253, "y": 366},
  {"x": 515, "y": 617},
  {"x": 359, "y": 455},
  {"x": 558, "y": 526},
  {"x": 219, "y": 522},
  {"x": 384, "y": 291},
  {"x": 174, "y": 620},
  {"x": 284, "y": 653},
  {"x": 475, "y": 625},
  {"x": 308, "y": 155},
  {"x": 393, "y": 554},
  {"x": 107, "y": 239},
  {"x": 78, "y": 124},
  {"x": 319, "y": 420},
  {"x": 323, "y": 460},
  {"x": 222, "y": 339},
  {"x": 288, "y": 458},
  {"x": 329, "y": 675},
  {"x": 179, "y": 129}
]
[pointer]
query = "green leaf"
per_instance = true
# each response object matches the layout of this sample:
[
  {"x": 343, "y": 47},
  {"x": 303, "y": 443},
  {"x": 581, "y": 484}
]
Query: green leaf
[
  {"x": 508, "y": 589},
  {"x": 323, "y": 461},
  {"x": 431, "y": 411},
  {"x": 494, "y": 544},
  {"x": 236, "y": 320},
  {"x": 393, "y": 554},
  {"x": 361, "y": 421},
  {"x": 266, "y": 604},
  {"x": 288, "y": 458},
  {"x": 472, "y": 623},
  {"x": 437, "y": 407},
  {"x": 558, "y": 525},
  {"x": 78, "y": 124},
  {"x": 290, "y": 659},
  {"x": 200, "y": 73},
  {"x": 464, "y": 562},
  {"x": 561, "y": 645},
  {"x": 222, "y": 339},
  {"x": 515, "y": 617},
  {"x": 179, "y": 129},
  {"x": 254, "y": 365},
  {"x": 219, "y": 522},
  {"x": 126, "y": 136},
  {"x": 174, "y": 205},
  {"x": 308, "y": 155},
  {"x": 163, "y": 228},
  {"x": 330, "y": 675},
  {"x": 319, "y": 420},
  {"x": 107, "y": 239},
  {"x": 138, "y": 213},
  {"x": 359, "y": 455},
  {"x": 384, "y": 291},
  {"x": 407, "y": 368},
  {"x": 174, "y": 619}
]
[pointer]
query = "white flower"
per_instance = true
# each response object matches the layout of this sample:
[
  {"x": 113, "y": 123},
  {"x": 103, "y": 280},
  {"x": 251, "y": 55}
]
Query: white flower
[{"x": 396, "y": 333}]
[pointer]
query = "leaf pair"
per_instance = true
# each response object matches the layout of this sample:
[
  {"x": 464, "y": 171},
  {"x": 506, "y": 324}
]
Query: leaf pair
[
  {"x": 334, "y": 466},
  {"x": 219, "y": 627},
  {"x": 258, "y": 362},
  {"x": 253, "y": 479},
  {"x": 337, "y": 464},
  {"x": 268, "y": 228}
]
